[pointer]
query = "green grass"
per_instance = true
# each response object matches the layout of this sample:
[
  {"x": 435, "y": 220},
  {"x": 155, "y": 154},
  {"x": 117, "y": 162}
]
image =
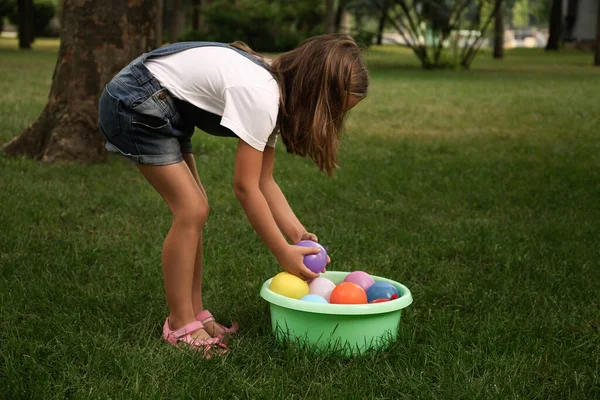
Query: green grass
[{"x": 478, "y": 190}]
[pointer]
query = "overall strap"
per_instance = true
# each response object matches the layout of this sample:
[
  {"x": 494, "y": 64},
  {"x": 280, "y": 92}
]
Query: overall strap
[
  {"x": 180, "y": 46},
  {"x": 142, "y": 75}
]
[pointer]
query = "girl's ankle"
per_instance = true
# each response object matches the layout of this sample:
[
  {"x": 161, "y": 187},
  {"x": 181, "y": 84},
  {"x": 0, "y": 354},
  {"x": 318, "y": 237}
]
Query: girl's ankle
[{"x": 176, "y": 323}]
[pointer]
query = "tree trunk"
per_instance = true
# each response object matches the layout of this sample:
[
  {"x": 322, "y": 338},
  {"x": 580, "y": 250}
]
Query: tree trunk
[
  {"x": 556, "y": 16},
  {"x": 160, "y": 18},
  {"x": 382, "y": 19},
  {"x": 177, "y": 21},
  {"x": 339, "y": 13},
  {"x": 97, "y": 40},
  {"x": 329, "y": 17},
  {"x": 202, "y": 27},
  {"x": 499, "y": 32},
  {"x": 570, "y": 19},
  {"x": 25, "y": 15},
  {"x": 196, "y": 4},
  {"x": 597, "y": 58}
]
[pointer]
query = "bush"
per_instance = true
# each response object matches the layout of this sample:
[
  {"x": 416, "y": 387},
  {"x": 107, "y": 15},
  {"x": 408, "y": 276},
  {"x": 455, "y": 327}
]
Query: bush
[
  {"x": 265, "y": 25},
  {"x": 43, "y": 12},
  {"x": 288, "y": 40},
  {"x": 364, "y": 39},
  {"x": 7, "y": 8}
]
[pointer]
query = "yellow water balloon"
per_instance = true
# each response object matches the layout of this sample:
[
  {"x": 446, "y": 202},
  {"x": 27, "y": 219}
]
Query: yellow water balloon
[{"x": 289, "y": 285}]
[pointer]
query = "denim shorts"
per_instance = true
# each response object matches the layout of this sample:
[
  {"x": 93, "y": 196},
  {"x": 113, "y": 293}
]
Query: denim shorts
[{"x": 140, "y": 119}]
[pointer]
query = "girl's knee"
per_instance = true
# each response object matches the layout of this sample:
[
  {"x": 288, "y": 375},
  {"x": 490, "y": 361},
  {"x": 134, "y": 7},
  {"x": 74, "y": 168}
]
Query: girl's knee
[{"x": 192, "y": 216}]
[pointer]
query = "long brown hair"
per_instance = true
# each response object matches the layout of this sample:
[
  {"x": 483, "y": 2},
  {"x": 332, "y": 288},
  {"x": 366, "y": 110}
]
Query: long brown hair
[{"x": 316, "y": 82}]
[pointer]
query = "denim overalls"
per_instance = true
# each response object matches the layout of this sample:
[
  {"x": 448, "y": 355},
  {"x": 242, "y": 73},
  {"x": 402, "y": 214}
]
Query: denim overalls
[{"x": 143, "y": 121}]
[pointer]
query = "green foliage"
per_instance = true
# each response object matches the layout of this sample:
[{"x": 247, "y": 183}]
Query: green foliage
[
  {"x": 521, "y": 14},
  {"x": 265, "y": 25},
  {"x": 430, "y": 27},
  {"x": 43, "y": 12},
  {"x": 364, "y": 38},
  {"x": 7, "y": 7},
  {"x": 362, "y": 12},
  {"x": 525, "y": 13}
]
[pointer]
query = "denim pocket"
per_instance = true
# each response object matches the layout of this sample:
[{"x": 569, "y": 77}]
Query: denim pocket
[
  {"x": 144, "y": 121},
  {"x": 108, "y": 114},
  {"x": 154, "y": 112}
]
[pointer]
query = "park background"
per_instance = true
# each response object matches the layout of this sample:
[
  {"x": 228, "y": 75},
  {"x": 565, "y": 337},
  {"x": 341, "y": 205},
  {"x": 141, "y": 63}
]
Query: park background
[{"x": 474, "y": 184}]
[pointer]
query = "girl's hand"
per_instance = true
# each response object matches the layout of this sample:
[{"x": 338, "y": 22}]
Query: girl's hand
[
  {"x": 314, "y": 238},
  {"x": 309, "y": 236},
  {"x": 291, "y": 260}
]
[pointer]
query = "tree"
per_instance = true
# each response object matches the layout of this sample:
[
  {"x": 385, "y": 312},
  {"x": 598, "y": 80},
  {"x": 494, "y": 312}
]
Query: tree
[
  {"x": 196, "y": 5},
  {"x": 597, "y": 58},
  {"x": 556, "y": 16},
  {"x": 339, "y": 14},
  {"x": 521, "y": 11},
  {"x": 97, "y": 40},
  {"x": 427, "y": 27},
  {"x": 499, "y": 32},
  {"x": 570, "y": 17},
  {"x": 198, "y": 19},
  {"x": 160, "y": 15},
  {"x": 265, "y": 25},
  {"x": 382, "y": 18},
  {"x": 177, "y": 21},
  {"x": 329, "y": 16},
  {"x": 7, "y": 7},
  {"x": 25, "y": 21}
]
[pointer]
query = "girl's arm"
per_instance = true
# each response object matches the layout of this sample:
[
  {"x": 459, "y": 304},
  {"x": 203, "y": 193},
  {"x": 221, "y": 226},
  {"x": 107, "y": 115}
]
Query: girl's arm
[
  {"x": 246, "y": 184},
  {"x": 282, "y": 212}
]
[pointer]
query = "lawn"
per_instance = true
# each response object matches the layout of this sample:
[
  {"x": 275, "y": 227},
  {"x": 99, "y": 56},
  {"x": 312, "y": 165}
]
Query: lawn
[{"x": 479, "y": 190}]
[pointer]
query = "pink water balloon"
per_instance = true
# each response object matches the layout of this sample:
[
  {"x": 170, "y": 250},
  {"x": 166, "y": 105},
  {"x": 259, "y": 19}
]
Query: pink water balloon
[
  {"x": 322, "y": 287},
  {"x": 361, "y": 278}
]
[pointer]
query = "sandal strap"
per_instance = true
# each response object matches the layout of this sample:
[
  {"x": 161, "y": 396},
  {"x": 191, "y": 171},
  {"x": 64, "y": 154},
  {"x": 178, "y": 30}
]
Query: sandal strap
[
  {"x": 206, "y": 343},
  {"x": 187, "y": 329},
  {"x": 205, "y": 317}
]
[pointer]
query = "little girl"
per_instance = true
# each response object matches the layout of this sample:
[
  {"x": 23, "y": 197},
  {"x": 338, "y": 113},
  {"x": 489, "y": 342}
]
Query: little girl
[{"x": 149, "y": 111}]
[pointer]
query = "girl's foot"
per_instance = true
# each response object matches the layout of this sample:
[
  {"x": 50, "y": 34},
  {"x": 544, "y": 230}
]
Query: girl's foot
[
  {"x": 194, "y": 336},
  {"x": 213, "y": 328}
]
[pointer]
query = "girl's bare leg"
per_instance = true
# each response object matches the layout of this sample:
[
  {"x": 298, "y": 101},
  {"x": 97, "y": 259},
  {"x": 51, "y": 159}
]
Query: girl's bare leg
[
  {"x": 189, "y": 207},
  {"x": 212, "y": 328}
]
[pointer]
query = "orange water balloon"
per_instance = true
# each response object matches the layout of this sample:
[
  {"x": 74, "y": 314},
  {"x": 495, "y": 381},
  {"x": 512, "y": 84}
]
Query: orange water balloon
[{"x": 348, "y": 293}]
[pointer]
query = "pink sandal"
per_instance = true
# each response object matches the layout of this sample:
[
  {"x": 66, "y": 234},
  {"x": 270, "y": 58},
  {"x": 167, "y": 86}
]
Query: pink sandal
[
  {"x": 184, "y": 335},
  {"x": 205, "y": 317}
]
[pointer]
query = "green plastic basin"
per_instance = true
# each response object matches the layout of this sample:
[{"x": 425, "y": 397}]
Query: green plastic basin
[{"x": 349, "y": 329}]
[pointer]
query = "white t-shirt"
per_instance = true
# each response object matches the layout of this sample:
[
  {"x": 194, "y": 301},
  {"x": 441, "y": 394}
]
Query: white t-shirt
[{"x": 223, "y": 82}]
